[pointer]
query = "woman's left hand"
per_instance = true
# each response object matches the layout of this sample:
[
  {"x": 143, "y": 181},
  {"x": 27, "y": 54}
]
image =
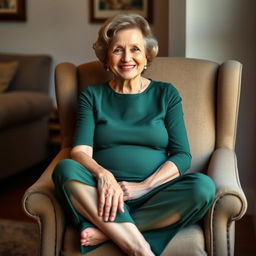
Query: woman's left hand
[{"x": 133, "y": 190}]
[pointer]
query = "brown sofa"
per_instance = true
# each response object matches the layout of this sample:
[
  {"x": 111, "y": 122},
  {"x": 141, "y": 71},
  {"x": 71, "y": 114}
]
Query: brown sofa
[{"x": 24, "y": 110}]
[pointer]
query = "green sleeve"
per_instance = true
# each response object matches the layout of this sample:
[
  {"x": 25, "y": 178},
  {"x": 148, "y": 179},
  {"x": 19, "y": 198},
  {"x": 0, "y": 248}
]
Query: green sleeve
[
  {"x": 85, "y": 119},
  {"x": 178, "y": 146}
]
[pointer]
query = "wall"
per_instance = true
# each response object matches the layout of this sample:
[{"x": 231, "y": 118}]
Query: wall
[
  {"x": 61, "y": 28},
  {"x": 221, "y": 30}
]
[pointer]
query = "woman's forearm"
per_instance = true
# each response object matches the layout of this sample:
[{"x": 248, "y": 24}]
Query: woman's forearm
[
  {"x": 84, "y": 157},
  {"x": 133, "y": 190},
  {"x": 166, "y": 172}
]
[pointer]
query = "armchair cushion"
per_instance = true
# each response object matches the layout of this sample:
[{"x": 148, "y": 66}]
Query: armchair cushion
[
  {"x": 20, "y": 107},
  {"x": 188, "y": 241},
  {"x": 7, "y": 72}
]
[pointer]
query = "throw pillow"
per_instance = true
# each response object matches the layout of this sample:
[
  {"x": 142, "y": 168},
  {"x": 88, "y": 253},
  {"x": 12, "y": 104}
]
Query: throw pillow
[{"x": 7, "y": 72}]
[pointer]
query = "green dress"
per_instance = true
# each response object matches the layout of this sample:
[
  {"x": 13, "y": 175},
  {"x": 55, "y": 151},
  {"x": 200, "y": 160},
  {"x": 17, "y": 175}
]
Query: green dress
[{"x": 132, "y": 135}]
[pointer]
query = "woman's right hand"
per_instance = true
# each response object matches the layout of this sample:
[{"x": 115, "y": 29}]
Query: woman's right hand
[{"x": 110, "y": 196}]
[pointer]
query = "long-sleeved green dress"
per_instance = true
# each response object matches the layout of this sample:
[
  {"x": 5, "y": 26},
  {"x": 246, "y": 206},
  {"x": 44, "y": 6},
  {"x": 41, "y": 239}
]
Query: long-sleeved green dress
[{"x": 132, "y": 135}]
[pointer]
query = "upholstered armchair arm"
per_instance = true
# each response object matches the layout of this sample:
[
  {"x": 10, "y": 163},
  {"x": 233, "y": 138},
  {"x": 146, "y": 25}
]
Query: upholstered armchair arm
[
  {"x": 40, "y": 203},
  {"x": 230, "y": 203}
]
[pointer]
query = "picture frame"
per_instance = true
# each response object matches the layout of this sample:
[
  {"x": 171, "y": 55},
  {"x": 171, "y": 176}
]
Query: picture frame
[
  {"x": 100, "y": 10},
  {"x": 12, "y": 10}
]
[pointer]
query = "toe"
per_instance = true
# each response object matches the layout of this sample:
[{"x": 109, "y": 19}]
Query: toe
[
  {"x": 83, "y": 241},
  {"x": 84, "y": 234}
]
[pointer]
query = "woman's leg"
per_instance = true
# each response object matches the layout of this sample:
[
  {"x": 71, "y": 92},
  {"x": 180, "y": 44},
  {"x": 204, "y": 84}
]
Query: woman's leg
[
  {"x": 172, "y": 206},
  {"x": 80, "y": 199},
  {"x": 183, "y": 202},
  {"x": 124, "y": 234}
]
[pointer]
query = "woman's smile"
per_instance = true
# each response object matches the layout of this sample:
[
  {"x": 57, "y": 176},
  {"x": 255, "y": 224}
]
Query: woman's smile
[{"x": 127, "y": 67}]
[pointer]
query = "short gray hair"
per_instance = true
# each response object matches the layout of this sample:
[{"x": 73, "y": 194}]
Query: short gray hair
[{"x": 123, "y": 21}]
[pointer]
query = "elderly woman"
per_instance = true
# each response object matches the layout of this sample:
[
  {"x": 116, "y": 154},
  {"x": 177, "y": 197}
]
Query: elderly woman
[{"x": 126, "y": 180}]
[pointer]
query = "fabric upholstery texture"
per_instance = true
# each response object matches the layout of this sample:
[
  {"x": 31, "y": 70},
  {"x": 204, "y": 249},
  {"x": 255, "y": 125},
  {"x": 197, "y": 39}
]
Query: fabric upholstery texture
[
  {"x": 31, "y": 106},
  {"x": 210, "y": 94},
  {"x": 7, "y": 72},
  {"x": 24, "y": 109},
  {"x": 32, "y": 73}
]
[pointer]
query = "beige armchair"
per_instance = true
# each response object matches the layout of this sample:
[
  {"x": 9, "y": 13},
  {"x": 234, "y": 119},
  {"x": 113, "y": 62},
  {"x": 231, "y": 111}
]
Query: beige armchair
[{"x": 210, "y": 95}]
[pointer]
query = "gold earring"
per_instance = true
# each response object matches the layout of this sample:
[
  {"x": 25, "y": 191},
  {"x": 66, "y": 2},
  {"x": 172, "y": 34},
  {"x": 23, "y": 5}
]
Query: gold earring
[{"x": 145, "y": 67}]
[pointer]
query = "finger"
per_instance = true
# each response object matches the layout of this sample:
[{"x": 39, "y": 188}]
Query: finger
[
  {"x": 121, "y": 184},
  {"x": 124, "y": 188},
  {"x": 83, "y": 241},
  {"x": 108, "y": 205},
  {"x": 121, "y": 203},
  {"x": 101, "y": 203},
  {"x": 114, "y": 207}
]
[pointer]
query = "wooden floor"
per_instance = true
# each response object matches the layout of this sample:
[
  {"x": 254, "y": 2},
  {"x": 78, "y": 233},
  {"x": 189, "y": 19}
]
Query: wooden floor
[{"x": 12, "y": 190}]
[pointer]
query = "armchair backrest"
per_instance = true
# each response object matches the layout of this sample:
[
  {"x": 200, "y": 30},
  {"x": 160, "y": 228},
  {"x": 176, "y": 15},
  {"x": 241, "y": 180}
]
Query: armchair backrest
[{"x": 210, "y": 94}]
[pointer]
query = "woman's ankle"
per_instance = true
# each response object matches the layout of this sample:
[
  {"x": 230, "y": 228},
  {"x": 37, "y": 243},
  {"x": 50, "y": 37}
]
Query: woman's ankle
[{"x": 139, "y": 248}]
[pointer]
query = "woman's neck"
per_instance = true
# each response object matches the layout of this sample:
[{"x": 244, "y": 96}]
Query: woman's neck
[{"x": 133, "y": 86}]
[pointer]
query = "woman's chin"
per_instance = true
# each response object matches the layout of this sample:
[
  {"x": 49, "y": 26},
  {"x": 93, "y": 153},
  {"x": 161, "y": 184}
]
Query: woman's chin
[{"x": 127, "y": 75}]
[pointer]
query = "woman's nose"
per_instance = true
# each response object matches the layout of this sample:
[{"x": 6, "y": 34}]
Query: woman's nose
[{"x": 126, "y": 56}]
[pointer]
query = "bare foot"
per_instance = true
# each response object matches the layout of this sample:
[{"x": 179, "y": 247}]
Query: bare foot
[{"x": 92, "y": 236}]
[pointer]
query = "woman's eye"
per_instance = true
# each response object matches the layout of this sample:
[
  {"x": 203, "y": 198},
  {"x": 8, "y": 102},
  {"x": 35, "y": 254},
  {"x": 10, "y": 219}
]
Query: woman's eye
[
  {"x": 135, "y": 49},
  {"x": 118, "y": 50}
]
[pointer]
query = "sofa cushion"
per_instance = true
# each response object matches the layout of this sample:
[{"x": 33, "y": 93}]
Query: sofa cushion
[
  {"x": 32, "y": 73},
  {"x": 20, "y": 107},
  {"x": 7, "y": 72}
]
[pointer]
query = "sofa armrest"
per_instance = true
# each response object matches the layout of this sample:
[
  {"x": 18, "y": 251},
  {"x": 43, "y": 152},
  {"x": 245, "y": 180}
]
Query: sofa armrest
[
  {"x": 40, "y": 203},
  {"x": 230, "y": 203}
]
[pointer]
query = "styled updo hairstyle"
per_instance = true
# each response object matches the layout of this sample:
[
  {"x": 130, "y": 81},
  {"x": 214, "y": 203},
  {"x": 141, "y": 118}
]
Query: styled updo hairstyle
[{"x": 124, "y": 21}]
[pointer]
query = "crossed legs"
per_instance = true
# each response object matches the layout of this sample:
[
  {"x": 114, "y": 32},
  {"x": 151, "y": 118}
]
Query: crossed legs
[
  {"x": 126, "y": 235},
  {"x": 180, "y": 203}
]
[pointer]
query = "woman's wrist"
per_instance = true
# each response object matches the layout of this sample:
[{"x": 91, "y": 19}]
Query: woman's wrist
[
  {"x": 99, "y": 172},
  {"x": 147, "y": 184},
  {"x": 166, "y": 172}
]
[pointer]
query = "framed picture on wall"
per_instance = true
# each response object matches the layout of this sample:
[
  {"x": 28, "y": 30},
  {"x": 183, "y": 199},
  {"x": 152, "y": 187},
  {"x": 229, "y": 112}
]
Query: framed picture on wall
[
  {"x": 100, "y": 10},
  {"x": 12, "y": 10}
]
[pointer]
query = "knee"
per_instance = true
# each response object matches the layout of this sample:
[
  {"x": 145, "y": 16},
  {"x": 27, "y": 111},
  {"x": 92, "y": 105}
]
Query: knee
[
  {"x": 62, "y": 170},
  {"x": 202, "y": 190}
]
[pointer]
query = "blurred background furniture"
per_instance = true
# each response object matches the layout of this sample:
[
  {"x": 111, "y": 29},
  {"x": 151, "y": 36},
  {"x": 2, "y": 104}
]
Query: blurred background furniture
[
  {"x": 210, "y": 94},
  {"x": 24, "y": 111}
]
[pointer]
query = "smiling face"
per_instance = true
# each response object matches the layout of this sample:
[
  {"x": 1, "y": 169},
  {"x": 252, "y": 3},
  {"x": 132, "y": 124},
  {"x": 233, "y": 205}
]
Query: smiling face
[{"x": 127, "y": 54}]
